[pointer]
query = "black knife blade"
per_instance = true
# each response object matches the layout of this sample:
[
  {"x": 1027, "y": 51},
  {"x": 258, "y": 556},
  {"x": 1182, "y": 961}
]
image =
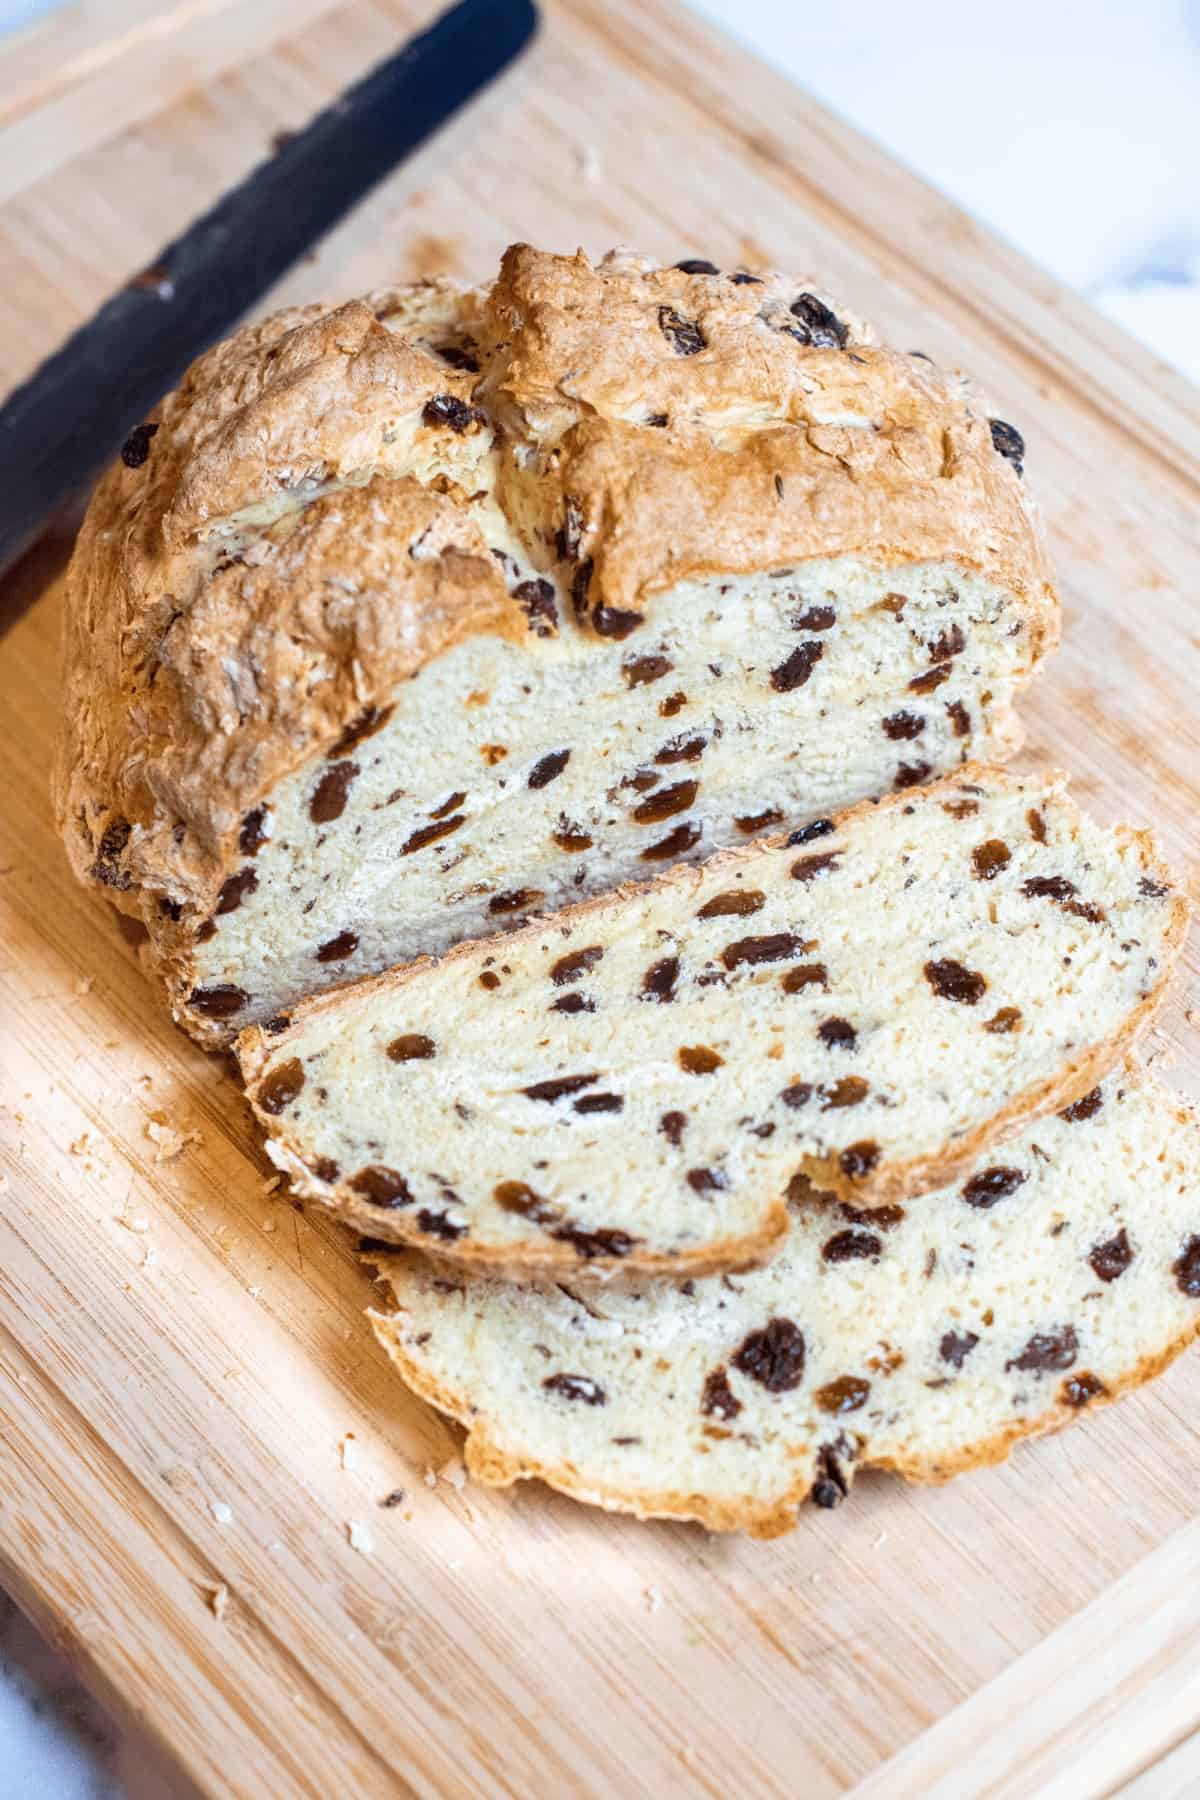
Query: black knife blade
[{"x": 60, "y": 428}]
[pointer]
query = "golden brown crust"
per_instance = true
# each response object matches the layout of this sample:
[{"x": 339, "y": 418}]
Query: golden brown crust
[
  {"x": 884, "y": 1186},
  {"x": 204, "y": 658}
]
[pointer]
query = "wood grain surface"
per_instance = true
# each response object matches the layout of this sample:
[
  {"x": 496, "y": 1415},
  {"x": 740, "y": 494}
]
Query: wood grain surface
[{"x": 192, "y": 1410}]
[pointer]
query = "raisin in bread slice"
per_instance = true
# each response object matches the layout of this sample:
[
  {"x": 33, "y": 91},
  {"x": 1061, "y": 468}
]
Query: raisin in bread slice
[
  {"x": 926, "y": 1340},
  {"x": 402, "y": 621},
  {"x": 863, "y": 1007}
]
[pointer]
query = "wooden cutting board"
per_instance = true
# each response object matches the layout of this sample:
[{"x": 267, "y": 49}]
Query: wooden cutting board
[{"x": 193, "y": 1410}]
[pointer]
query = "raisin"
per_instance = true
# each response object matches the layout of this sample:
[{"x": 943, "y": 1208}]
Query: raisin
[
  {"x": 956, "y": 1346},
  {"x": 685, "y": 338},
  {"x": 806, "y": 975},
  {"x": 659, "y": 420},
  {"x": 706, "y": 1181},
  {"x": 431, "y": 834},
  {"x": 911, "y": 775},
  {"x": 1152, "y": 890},
  {"x": 671, "y": 1125},
  {"x": 932, "y": 678},
  {"x": 576, "y": 964},
  {"x": 960, "y": 809},
  {"x": 644, "y": 669},
  {"x": 449, "y": 410},
  {"x": 274, "y": 1026},
  {"x": 740, "y": 278},
  {"x": 857, "y": 1160},
  {"x": 281, "y": 1086},
  {"x": 674, "y": 703},
  {"x": 325, "y": 1169},
  {"x": 581, "y": 582},
  {"x": 559, "y": 1087},
  {"x": 837, "y": 1034},
  {"x": 819, "y": 326},
  {"x": 697, "y": 265},
  {"x": 382, "y": 1186},
  {"x": 814, "y": 618},
  {"x": 666, "y": 803},
  {"x": 600, "y": 1103},
  {"x": 1085, "y": 1108},
  {"x": 447, "y": 806},
  {"x": 1055, "y": 1349},
  {"x": 795, "y": 670},
  {"x": 759, "y": 821},
  {"x": 830, "y": 1486},
  {"x": 718, "y": 1397},
  {"x": 682, "y": 749},
  {"x": 658, "y": 983},
  {"x": 113, "y": 839},
  {"x": 576, "y": 1387},
  {"x": 846, "y": 1246},
  {"x": 136, "y": 447},
  {"x": 489, "y": 980},
  {"x": 516, "y": 900},
  {"x": 1007, "y": 1019},
  {"x": 437, "y": 1224},
  {"x": 776, "y": 946},
  {"x": 950, "y": 642},
  {"x": 849, "y": 1090},
  {"x": 536, "y": 597},
  {"x": 328, "y": 800},
  {"x": 816, "y": 828},
  {"x": 1080, "y": 1390},
  {"x": 1186, "y": 1268},
  {"x": 698, "y": 1059},
  {"x": 844, "y": 1395},
  {"x": 1111, "y": 1259},
  {"x": 573, "y": 1003},
  {"x": 737, "y": 903},
  {"x": 206, "y": 931},
  {"x": 234, "y": 890},
  {"x": 808, "y": 867},
  {"x": 549, "y": 768},
  {"x": 989, "y": 858},
  {"x": 903, "y": 725},
  {"x": 366, "y": 725},
  {"x": 1049, "y": 887},
  {"x": 411, "y": 1046},
  {"x": 613, "y": 622},
  {"x": 602, "y": 1242},
  {"x": 220, "y": 1002},
  {"x": 338, "y": 948},
  {"x": 1036, "y": 824},
  {"x": 676, "y": 843},
  {"x": 989, "y": 1185},
  {"x": 519, "y": 1197},
  {"x": 960, "y": 718},
  {"x": 1009, "y": 442},
  {"x": 571, "y": 838},
  {"x": 951, "y": 981},
  {"x": 253, "y": 834},
  {"x": 798, "y": 1094},
  {"x": 774, "y": 1356}
]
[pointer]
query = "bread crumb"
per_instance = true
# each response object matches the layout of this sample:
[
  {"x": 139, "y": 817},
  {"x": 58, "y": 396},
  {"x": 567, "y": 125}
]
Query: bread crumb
[
  {"x": 4, "y": 1184},
  {"x": 83, "y": 984},
  {"x": 453, "y": 1474},
  {"x": 349, "y": 1451},
  {"x": 81, "y": 1146},
  {"x": 217, "y": 1597},
  {"x": 254, "y": 1292},
  {"x": 590, "y": 167},
  {"x": 653, "y": 1598},
  {"x": 271, "y": 1183},
  {"x": 269, "y": 1225},
  {"x": 221, "y": 1511},
  {"x": 150, "y": 1258},
  {"x": 170, "y": 1143},
  {"x": 430, "y": 1478},
  {"x": 138, "y": 1222},
  {"x": 360, "y": 1538},
  {"x": 397, "y": 1497}
]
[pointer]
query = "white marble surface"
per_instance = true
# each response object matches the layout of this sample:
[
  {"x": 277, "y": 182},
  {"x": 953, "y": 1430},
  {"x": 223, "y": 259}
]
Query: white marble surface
[{"x": 1071, "y": 127}]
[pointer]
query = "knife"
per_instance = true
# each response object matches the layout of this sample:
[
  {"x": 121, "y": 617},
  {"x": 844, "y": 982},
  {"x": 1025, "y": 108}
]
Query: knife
[{"x": 63, "y": 425}]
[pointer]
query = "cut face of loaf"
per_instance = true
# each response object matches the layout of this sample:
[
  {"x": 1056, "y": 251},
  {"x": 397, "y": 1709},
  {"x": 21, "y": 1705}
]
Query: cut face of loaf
[
  {"x": 859, "y": 1009},
  {"x": 926, "y": 1340},
  {"x": 405, "y": 621}
]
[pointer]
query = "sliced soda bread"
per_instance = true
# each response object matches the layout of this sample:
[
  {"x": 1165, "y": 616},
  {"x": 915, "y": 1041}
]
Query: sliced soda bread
[
  {"x": 924, "y": 1340},
  {"x": 862, "y": 1007},
  {"x": 403, "y": 621}
]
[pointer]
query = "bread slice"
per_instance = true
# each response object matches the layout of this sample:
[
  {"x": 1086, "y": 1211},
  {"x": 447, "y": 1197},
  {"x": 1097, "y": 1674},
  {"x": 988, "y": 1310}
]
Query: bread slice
[
  {"x": 925, "y": 1340},
  {"x": 862, "y": 1007},
  {"x": 403, "y": 621}
]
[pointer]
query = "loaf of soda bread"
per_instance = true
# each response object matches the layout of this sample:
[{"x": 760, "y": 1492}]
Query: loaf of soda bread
[
  {"x": 406, "y": 620},
  {"x": 926, "y": 1339},
  {"x": 862, "y": 1008}
]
